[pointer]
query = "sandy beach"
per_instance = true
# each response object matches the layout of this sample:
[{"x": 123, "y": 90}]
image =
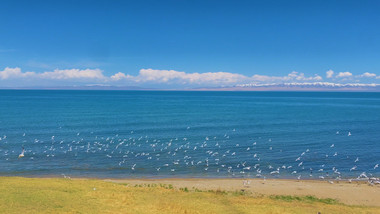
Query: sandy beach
[{"x": 355, "y": 193}]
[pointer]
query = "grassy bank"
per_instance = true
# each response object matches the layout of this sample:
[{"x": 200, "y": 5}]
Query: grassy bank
[{"x": 58, "y": 195}]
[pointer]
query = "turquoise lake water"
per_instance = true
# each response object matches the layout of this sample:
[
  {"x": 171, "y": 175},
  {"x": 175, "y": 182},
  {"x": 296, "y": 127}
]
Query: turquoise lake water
[{"x": 122, "y": 134}]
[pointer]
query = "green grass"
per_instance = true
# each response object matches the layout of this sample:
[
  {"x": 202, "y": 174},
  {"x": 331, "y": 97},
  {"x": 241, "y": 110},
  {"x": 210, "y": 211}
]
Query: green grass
[
  {"x": 58, "y": 195},
  {"x": 308, "y": 199}
]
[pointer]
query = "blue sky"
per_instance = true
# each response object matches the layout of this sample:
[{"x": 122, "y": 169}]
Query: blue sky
[{"x": 168, "y": 44}]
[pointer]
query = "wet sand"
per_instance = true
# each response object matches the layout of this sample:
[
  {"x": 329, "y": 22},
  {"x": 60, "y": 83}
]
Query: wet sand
[{"x": 355, "y": 193}]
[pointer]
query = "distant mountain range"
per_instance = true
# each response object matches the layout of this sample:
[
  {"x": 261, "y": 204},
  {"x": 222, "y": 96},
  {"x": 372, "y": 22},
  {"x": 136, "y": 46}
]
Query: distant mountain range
[{"x": 314, "y": 86}]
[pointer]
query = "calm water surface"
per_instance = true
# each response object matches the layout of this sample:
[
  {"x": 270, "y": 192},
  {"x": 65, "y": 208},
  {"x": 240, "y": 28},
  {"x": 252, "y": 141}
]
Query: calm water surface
[{"x": 189, "y": 134}]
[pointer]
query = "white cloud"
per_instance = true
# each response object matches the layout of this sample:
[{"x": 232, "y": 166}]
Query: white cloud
[
  {"x": 162, "y": 78},
  {"x": 179, "y": 77},
  {"x": 157, "y": 77},
  {"x": 264, "y": 78},
  {"x": 73, "y": 74},
  {"x": 329, "y": 73},
  {"x": 182, "y": 77},
  {"x": 301, "y": 77},
  {"x": 12, "y": 73},
  {"x": 68, "y": 74},
  {"x": 367, "y": 74},
  {"x": 344, "y": 74},
  {"x": 210, "y": 78},
  {"x": 120, "y": 76},
  {"x": 293, "y": 76}
]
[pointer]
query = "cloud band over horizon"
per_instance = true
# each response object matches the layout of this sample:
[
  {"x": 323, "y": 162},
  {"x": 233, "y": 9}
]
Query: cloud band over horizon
[{"x": 164, "y": 78}]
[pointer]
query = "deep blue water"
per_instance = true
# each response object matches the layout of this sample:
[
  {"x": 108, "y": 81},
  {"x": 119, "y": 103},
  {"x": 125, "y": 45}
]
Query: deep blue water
[{"x": 189, "y": 134}]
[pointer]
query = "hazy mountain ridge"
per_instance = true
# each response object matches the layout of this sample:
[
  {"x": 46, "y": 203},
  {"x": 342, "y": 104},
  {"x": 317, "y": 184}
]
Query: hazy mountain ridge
[{"x": 314, "y": 86}]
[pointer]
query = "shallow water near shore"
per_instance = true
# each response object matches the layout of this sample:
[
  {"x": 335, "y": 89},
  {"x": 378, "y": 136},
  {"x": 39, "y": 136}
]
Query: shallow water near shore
[{"x": 159, "y": 134}]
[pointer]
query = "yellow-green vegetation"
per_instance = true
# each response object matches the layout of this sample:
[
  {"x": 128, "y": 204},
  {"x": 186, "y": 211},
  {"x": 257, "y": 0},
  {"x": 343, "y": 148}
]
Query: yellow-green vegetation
[{"x": 58, "y": 195}]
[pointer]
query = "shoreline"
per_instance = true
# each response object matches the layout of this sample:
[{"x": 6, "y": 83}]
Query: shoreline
[
  {"x": 354, "y": 193},
  {"x": 62, "y": 175},
  {"x": 358, "y": 193}
]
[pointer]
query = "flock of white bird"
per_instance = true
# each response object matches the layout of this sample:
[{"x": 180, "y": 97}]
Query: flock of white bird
[{"x": 214, "y": 155}]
